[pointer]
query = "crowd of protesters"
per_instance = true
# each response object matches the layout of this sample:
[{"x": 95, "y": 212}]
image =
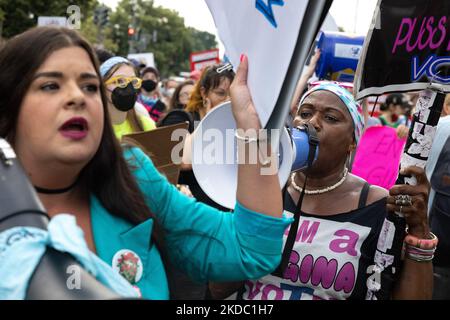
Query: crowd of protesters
[{"x": 187, "y": 246}]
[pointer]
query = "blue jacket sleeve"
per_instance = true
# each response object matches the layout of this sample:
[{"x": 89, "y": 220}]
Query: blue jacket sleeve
[{"x": 207, "y": 243}]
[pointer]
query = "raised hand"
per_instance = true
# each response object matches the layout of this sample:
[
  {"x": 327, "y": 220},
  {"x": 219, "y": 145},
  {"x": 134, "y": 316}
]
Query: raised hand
[
  {"x": 412, "y": 201},
  {"x": 244, "y": 111}
]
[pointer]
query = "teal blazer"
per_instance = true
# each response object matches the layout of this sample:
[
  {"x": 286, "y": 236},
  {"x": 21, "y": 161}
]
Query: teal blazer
[{"x": 206, "y": 243}]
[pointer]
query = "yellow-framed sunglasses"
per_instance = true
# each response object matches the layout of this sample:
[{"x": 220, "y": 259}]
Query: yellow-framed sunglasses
[{"x": 122, "y": 82}]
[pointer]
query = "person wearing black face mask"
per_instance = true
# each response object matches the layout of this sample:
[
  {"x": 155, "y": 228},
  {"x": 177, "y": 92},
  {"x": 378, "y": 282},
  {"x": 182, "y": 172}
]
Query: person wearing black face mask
[
  {"x": 149, "y": 85},
  {"x": 122, "y": 84},
  {"x": 149, "y": 95},
  {"x": 124, "y": 98}
]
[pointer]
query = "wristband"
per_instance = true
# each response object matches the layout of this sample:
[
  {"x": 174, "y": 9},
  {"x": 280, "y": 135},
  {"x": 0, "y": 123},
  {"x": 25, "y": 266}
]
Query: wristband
[
  {"x": 426, "y": 244},
  {"x": 247, "y": 139}
]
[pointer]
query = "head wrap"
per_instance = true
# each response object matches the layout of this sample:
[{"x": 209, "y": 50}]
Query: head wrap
[
  {"x": 110, "y": 63},
  {"x": 346, "y": 97}
]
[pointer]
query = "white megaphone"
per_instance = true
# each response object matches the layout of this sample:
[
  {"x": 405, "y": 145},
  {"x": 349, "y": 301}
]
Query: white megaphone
[{"x": 214, "y": 155}]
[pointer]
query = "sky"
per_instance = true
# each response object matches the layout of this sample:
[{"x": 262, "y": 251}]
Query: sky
[{"x": 352, "y": 15}]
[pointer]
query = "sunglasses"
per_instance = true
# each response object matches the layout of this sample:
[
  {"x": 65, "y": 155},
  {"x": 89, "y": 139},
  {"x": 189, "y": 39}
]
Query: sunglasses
[{"x": 122, "y": 82}]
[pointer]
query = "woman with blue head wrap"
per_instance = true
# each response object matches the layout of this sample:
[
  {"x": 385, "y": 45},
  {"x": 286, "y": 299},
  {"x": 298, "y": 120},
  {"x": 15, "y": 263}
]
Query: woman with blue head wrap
[
  {"x": 345, "y": 96},
  {"x": 339, "y": 248}
]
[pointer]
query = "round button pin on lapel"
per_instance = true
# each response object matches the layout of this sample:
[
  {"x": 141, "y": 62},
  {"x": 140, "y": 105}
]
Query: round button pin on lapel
[{"x": 128, "y": 264}]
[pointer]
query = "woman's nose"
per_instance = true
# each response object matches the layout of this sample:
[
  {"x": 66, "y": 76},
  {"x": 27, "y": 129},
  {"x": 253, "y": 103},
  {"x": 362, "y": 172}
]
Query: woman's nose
[
  {"x": 76, "y": 96},
  {"x": 315, "y": 122}
]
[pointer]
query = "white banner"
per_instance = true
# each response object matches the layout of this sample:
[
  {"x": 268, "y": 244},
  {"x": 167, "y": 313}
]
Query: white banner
[{"x": 266, "y": 31}]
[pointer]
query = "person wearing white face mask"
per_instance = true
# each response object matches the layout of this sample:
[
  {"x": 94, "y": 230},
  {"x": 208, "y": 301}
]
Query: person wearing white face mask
[{"x": 167, "y": 90}]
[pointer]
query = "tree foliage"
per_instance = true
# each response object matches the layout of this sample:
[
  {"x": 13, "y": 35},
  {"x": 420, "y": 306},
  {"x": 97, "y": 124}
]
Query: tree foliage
[
  {"x": 158, "y": 30},
  {"x": 161, "y": 31},
  {"x": 20, "y": 15}
]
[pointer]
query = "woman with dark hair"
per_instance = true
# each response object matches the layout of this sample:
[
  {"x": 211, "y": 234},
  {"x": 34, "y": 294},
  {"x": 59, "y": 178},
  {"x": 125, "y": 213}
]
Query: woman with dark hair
[
  {"x": 180, "y": 97},
  {"x": 212, "y": 89},
  {"x": 178, "y": 102},
  {"x": 53, "y": 111},
  {"x": 343, "y": 245}
]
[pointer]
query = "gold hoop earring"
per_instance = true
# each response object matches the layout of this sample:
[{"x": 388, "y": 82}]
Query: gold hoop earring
[{"x": 348, "y": 162}]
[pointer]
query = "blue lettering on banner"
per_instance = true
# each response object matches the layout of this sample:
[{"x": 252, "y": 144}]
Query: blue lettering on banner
[
  {"x": 266, "y": 9},
  {"x": 430, "y": 68}
]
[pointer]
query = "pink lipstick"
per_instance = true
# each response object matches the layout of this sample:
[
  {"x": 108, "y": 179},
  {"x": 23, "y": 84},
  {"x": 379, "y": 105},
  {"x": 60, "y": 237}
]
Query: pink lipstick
[{"x": 76, "y": 128}]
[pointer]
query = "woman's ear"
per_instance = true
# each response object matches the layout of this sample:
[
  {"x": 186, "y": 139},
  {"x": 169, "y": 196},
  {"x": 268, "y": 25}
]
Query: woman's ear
[{"x": 352, "y": 147}]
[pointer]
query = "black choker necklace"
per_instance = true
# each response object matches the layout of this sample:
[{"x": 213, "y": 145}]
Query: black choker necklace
[{"x": 55, "y": 191}]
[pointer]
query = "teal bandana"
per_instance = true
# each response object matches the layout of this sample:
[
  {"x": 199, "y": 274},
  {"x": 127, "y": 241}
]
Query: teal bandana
[{"x": 353, "y": 107}]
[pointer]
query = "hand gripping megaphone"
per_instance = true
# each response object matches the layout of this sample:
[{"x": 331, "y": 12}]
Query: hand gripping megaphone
[
  {"x": 20, "y": 206},
  {"x": 214, "y": 154}
]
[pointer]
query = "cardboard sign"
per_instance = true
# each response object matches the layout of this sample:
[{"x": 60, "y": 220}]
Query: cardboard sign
[
  {"x": 407, "y": 47},
  {"x": 158, "y": 145},
  {"x": 378, "y": 156}
]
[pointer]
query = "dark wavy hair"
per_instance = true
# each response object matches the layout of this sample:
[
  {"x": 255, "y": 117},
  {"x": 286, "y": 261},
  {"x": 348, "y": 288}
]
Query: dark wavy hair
[
  {"x": 107, "y": 175},
  {"x": 176, "y": 94}
]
